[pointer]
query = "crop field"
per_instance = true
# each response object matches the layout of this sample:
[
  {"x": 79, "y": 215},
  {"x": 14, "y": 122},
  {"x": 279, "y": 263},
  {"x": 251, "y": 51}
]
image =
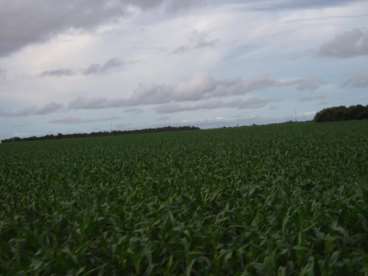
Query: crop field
[{"x": 288, "y": 199}]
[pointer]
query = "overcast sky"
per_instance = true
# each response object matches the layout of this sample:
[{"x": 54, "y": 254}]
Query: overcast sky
[{"x": 92, "y": 65}]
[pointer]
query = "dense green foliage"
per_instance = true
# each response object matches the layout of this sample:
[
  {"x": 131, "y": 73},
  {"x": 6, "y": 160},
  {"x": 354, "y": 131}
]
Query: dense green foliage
[
  {"x": 342, "y": 113},
  {"x": 287, "y": 199}
]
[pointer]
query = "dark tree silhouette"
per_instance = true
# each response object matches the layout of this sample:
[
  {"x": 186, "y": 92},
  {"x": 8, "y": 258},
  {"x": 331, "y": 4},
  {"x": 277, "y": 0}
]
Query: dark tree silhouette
[
  {"x": 342, "y": 113},
  {"x": 102, "y": 133}
]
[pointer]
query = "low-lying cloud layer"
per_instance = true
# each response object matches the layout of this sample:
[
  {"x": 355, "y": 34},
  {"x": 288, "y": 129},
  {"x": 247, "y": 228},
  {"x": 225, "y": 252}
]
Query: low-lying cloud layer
[
  {"x": 197, "y": 41},
  {"x": 43, "y": 110},
  {"x": 108, "y": 66},
  {"x": 62, "y": 72},
  {"x": 113, "y": 64},
  {"x": 78, "y": 120},
  {"x": 252, "y": 103},
  {"x": 203, "y": 88},
  {"x": 198, "y": 89}
]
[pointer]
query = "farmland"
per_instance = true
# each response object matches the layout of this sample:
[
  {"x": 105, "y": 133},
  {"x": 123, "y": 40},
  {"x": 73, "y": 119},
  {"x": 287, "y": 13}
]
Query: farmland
[{"x": 288, "y": 199}]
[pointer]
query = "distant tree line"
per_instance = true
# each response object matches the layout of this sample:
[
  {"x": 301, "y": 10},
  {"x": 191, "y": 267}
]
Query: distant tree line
[
  {"x": 342, "y": 113},
  {"x": 99, "y": 134}
]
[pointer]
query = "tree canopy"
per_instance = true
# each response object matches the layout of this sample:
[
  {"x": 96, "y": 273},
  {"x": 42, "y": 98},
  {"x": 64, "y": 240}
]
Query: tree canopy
[{"x": 342, "y": 113}]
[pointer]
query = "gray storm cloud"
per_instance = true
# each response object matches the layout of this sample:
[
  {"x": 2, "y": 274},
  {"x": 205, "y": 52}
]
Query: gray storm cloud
[
  {"x": 198, "y": 89},
  {"x": 109, "y": 66},
  {"x": 79, "y": 120},
  {"x": 253, "y": 103},
  {"x": 2, "y": 73},
  {"x": 198, "y": 40},
  {"x": 346, "y": 45},
  {"x": 303, "y": 4},
  {"x": 359, "y": 80},
  {"x": 49, "y": 17},
  {"x": 62, "y": 72},
  {"x": 43, "y": 110}
]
